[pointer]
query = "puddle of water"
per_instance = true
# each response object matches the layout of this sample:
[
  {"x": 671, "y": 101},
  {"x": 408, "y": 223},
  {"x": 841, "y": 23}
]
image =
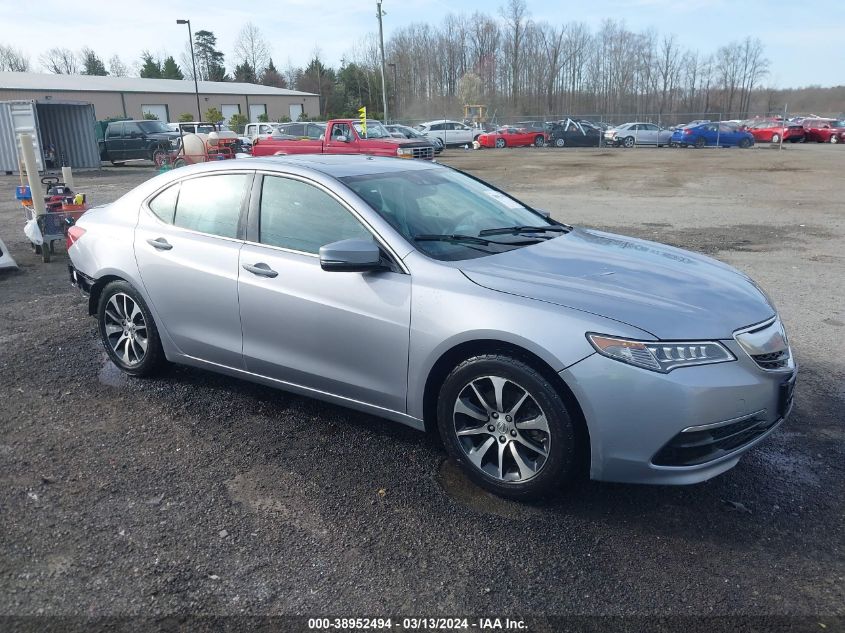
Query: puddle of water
[{"x": 460, "y": 489}]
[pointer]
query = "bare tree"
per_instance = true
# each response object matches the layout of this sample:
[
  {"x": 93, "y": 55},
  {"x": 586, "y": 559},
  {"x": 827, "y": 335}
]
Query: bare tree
[
  {"x": 515, "y": 15},
  {"x": 60, "y": 61},
  {"x": 251, "y": 48},
  {"x": 13, "y": 59},
  {"x": 117, "y": 68}
]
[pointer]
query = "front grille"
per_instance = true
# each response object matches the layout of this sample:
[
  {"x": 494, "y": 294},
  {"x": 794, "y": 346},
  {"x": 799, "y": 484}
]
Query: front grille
[
  {"x": 767, "y": 345},
  {"x": 425, "y": 153},
  {"x": 774, "y": 360},
  {"x": 691, "y": 448}
]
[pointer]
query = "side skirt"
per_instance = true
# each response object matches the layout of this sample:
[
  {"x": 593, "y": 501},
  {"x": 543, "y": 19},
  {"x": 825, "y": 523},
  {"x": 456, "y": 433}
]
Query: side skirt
[{"x": 395, "y": 416}]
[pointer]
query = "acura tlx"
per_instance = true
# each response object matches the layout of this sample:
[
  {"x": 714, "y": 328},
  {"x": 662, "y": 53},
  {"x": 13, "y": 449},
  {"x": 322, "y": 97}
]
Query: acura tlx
[{"x": 421, "y": 294}]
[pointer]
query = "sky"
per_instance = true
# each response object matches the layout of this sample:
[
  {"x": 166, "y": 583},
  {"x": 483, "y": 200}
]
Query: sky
[{"x": 805, "y": 42}]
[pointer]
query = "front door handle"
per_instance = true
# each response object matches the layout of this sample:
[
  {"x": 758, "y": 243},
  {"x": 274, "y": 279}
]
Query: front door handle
[
  {"x": 261, "y": 269},
  {"x": 160, "y": 243}
]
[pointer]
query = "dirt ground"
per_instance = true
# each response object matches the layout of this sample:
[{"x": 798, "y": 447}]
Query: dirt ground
[{"x": 195, "y": 493}]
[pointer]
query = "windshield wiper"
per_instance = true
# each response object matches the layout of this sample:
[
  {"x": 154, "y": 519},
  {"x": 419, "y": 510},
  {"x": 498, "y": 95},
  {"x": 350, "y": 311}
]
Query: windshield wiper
[
  {"x": 469, "y": 239},
  {"x": 524, "y": 229}
]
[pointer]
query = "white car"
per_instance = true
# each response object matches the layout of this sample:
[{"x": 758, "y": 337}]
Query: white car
[
  {"x": 263, "y": 130},
  {"x": 450, "y": 132}
]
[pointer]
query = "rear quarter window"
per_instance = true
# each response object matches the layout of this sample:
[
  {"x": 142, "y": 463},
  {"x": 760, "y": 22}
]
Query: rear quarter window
[{"x": 164, "y": 204}]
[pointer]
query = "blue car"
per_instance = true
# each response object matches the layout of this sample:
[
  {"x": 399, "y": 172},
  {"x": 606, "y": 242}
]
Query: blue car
[{"x": 711, "y": 135}]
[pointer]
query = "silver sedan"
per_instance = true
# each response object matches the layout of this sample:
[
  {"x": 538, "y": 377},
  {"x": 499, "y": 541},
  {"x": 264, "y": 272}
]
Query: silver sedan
[
  {"x": 415, "y": 292},
  {"x": 631, "y": 134}
]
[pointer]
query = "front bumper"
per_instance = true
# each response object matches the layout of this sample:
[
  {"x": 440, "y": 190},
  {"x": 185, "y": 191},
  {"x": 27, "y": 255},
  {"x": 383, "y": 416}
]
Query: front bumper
[{"x": 678, "y": 428}]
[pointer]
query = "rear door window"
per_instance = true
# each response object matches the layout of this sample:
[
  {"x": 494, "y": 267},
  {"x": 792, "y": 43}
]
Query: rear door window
[{"x": 212, "y": 204}]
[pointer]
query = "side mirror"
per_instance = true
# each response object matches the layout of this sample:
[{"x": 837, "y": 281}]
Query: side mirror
[
  {"x": 351, "y": 256},
  {"x": 342, "y": 138}
]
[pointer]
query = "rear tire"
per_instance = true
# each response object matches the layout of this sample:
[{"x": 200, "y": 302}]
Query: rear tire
[
  {"x": 531, "y": 450},
  {"x": 744, "y": 143},
  {"x": 179, "y": 162},
  {"x": 128, "y": 331},
  {"x": 560, "y": 142},
  {"x": 775, "y": 138},
  {"x": 700, "y": 142},
  {"x": 501, "y": 143}
]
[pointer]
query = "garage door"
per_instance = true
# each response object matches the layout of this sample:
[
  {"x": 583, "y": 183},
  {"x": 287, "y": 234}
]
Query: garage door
[
  {"x": 157, "y": 110},
  {"x": 229, "y": 111},
  {"x": 295, "y": 110},
  {"x": 256, "y": 110}
]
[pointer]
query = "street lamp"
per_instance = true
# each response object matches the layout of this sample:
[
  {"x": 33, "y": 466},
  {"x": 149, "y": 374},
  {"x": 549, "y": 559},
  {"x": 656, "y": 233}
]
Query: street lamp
[{"x": 194, "y": 62}]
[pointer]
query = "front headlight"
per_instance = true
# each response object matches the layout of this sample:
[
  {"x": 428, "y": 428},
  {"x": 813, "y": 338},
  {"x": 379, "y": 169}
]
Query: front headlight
[
  {"x": 661, "y": 356},
  {"x": 404, "y": 152}
]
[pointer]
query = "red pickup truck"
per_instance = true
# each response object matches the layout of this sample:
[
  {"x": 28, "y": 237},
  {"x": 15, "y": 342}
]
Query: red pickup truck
[{"x": 346, "y": 136}]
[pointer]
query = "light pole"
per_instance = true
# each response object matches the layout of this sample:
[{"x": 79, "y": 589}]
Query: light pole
[
  {"x": 381, "y": 47},
  {"x": 194, "y": 62}
]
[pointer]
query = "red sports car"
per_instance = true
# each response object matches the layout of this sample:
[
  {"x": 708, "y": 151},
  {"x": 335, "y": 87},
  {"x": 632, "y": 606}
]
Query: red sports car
[
  {"x": 513, "y": 137},
  {"x": 824, "y": 130},
  {"x": 773, "y": 131}
]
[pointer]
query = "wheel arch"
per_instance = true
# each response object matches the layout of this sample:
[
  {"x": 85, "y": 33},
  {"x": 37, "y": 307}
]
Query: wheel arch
[
  {"x": 97, "y": 290},
  {"x": 452, "y": 357}
]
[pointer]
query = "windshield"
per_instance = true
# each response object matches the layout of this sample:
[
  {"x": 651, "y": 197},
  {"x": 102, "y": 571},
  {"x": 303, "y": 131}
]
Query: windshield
[
  {"x": 374, "y": 130},
  {"x": 444, "y": 202},
  {"x": 154, "y": 127}
]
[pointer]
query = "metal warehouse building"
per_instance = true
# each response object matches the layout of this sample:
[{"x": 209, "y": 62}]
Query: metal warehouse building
[
  {"x": 59, "y": 111},
  {"x": 166, "y": 98}
]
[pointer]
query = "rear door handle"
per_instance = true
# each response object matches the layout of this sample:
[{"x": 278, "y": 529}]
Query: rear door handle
[
  {"x": 261, "y": 269},
  {"x": 160, "y": 243}
]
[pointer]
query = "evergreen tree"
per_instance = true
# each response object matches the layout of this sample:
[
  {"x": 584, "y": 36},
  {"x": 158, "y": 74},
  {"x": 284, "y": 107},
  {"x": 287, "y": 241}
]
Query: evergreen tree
[
  {"x": 272, "y": 77},
  {"x": 209, "y": 60},
  {"x": 150, "y": 67},
  {"x": 170, "y": 69},
  {"x": 245, "y": 73},
  {"x": 91, "y": 64}
]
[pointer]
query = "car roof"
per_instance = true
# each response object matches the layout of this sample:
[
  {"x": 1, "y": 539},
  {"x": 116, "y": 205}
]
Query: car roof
[{"x": 333, "y": 165}]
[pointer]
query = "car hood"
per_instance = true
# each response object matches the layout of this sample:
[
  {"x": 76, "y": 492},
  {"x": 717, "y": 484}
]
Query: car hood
[{"x": 669, "y": 292}]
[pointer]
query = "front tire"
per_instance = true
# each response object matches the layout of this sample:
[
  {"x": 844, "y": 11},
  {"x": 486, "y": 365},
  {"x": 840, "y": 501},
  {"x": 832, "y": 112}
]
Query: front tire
[
  {"x": 834, "y": 139},
  {"x": 775, "y": 138},
  {"x": 128, "y": 331},
  {"x": 530, "y": 451},
  {"x": 744, "y": 143},
  {"x": 629, "y": 141},
  {"x": 539, "y": 141},
  {"x": 560, "y": 142}
]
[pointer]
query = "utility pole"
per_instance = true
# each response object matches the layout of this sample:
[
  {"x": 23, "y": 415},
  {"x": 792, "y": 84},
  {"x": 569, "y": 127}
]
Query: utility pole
[
  {"x": 379, "y": 14},
  {"x": 395, "y": 92}
]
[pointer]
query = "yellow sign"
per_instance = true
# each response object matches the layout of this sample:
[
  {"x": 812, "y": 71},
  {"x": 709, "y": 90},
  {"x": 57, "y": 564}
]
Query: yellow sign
[{"x": 362, "y": 113}]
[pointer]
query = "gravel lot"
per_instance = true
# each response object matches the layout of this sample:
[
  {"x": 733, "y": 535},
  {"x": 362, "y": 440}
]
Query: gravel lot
[{"x": 195, "y": 493}]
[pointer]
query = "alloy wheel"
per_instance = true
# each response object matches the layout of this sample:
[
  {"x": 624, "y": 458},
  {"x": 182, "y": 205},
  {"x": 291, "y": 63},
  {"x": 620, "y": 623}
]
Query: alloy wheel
[
  {"x": 501, "y": 429},
  {"x": 126, "y": 329}
]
